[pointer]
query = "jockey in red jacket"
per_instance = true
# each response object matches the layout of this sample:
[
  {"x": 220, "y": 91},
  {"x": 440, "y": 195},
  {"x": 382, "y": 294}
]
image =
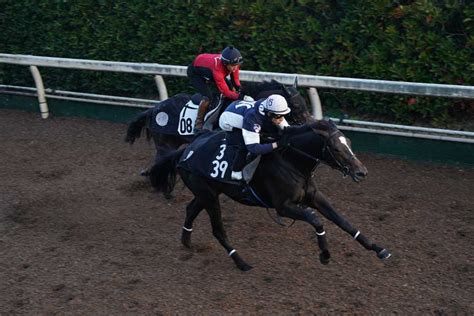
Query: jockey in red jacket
[{"x": 215, "y": 68}]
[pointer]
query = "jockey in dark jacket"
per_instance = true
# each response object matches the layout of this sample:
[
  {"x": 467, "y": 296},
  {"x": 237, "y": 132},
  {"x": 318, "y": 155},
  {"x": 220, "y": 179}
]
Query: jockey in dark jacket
[
  {"x": 215, "y": 68},
  {"x": 244, "y": 121}
]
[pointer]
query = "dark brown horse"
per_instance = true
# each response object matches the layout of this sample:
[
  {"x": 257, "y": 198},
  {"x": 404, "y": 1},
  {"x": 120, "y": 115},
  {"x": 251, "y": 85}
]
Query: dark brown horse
[{"x": 284, "y": 180}]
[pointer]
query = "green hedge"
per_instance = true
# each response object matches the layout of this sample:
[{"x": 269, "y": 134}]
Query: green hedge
[{"x": 418, "y": 41}]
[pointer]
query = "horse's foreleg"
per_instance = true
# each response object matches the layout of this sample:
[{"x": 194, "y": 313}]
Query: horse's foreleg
[
  {"x": 192, "y": 211},
  {"x": 308, "y": 215},
  {"x": 218, "y": 231},
  {"x": 320, "y": 202}
]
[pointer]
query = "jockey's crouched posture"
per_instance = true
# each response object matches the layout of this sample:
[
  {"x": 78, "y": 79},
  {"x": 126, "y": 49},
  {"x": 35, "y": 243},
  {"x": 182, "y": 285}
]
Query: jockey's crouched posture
[
  {"x": 245, "y": 121},
  {"x": 214, "y": 68}
]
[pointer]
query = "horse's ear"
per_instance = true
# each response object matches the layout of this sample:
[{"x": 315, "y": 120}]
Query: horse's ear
[
  {"x": 295, "y": 84},
  {"x": 287, "y": 92}
]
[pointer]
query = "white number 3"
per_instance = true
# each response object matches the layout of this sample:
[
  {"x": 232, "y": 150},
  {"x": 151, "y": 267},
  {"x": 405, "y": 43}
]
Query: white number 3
[{"x": 219, "y": 165}]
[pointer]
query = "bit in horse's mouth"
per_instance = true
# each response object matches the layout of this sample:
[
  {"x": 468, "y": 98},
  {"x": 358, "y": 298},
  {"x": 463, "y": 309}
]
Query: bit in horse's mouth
[{"x": 358, "y": 176}]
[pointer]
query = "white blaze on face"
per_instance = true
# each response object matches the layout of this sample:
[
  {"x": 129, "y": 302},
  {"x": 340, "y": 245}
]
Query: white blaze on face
[{"x": 343, "y": 140}]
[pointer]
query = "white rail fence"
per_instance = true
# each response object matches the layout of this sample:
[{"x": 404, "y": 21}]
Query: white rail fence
[{"x": 309, "y": 81}]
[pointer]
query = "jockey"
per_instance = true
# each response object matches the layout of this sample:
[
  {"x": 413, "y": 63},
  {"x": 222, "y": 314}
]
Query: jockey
[
  {"x": 215, "y": 68},
  {"x": 244, "y": 121}
]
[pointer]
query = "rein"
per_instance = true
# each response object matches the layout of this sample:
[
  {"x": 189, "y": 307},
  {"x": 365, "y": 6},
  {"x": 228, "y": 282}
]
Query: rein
[
  {"x": 326, "y": 149},
  {"x": 275, "y": 219},
  {"x": 344, "y": 169}
]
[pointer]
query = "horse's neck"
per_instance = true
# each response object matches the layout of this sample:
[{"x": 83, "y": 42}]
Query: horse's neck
[
  {"x": 263, "y": 91},
  {"x": 304, "y": 151}
]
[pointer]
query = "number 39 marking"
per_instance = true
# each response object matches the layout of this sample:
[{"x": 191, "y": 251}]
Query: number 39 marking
[{"x": 219, "y": 165}]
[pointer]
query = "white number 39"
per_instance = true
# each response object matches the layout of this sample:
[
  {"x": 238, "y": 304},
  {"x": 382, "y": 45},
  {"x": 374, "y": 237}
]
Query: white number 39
[{"x": 219, "y": 165}]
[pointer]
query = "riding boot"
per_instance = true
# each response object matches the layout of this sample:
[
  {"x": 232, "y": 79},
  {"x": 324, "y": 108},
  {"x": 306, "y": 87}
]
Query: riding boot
[
  {"x": 202, "y": 110},
  {"x": 239, "y": 163}
]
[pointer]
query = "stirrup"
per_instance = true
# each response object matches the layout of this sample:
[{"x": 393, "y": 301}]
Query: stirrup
[{"x": 236, "y": 175}]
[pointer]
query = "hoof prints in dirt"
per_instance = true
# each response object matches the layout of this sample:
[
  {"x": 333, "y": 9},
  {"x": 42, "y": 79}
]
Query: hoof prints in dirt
[
  {"x": 186, "y": 257},
  {"x": 136, "y": 187},
  {"x": 69, "y": 232},
  {"x": 51, "y": 175},
  {"x": 17, "y": 214}
]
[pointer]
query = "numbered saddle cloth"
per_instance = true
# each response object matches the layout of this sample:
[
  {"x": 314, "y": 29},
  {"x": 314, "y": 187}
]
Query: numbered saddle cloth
[
  {"x": 211, "y": 157},
  {"x": 176, "y": 115},
  {"x": 166, "y": 115}
]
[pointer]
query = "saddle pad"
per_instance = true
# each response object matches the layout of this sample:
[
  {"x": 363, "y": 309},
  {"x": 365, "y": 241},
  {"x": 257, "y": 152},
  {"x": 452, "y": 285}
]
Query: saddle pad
[
  {"x": 176, "y": 115},
  {"x": 167, "y": 116},
  {"x": 209, "y": 156}
]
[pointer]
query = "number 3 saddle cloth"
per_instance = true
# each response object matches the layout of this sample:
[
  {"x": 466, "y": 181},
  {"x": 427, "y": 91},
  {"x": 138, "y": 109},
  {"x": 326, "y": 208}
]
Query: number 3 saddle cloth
[{"x": 210, "y": 156}]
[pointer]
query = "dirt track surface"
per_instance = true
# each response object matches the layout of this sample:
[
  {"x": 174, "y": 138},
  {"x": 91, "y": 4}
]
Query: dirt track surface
[{"x": 82, "y": 233}]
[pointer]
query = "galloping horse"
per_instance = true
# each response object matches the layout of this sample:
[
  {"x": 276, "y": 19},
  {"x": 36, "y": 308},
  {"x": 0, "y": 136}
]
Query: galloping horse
[
  {"x": 284, "y": 180},
  {"x": 168, "y": 136}
]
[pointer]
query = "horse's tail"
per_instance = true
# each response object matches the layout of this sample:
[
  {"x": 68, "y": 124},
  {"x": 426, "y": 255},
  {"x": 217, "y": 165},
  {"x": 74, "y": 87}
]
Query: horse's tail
[
  {"x": 136, "y": 126},
  {"x": 163, "y": 173}
]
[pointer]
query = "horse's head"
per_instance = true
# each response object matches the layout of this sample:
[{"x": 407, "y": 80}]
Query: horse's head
[
  {"x": 337, "y": 151},
  {"x": 299, "y": 110}
]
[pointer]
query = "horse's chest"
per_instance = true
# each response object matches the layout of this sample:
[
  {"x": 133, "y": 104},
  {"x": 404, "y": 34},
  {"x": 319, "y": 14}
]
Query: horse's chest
[{"x": 294, "y": 191}]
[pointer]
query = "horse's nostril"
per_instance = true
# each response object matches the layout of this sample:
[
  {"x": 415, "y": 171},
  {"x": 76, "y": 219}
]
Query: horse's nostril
[{"x": 361, "y": 174}]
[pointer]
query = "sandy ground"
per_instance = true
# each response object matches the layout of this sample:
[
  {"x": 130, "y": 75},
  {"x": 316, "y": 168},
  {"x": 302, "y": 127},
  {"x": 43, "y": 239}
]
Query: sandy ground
[{"x": 81, "y": 233}]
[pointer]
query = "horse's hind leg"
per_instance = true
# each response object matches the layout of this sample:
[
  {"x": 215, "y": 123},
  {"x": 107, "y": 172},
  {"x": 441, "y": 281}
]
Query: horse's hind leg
[
  {"x": 219, "y": 233},
  {"x": 320, "y": 202},
  {"x": 192, "y": 211},
  {"x": 160, "y": 150},
  {"x": 310, "y": 216}
]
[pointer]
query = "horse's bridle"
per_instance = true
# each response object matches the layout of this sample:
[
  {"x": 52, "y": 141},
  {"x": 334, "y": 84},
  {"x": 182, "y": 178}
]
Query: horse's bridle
[
  {"x": 327, "y": 150},
  {"x": 340, "y": 166}
]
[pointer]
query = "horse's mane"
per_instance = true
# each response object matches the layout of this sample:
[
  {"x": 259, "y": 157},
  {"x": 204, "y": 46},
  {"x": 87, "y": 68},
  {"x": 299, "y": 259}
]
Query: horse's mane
[
  {"x": 323, "y": 125},
  {"x": 290, "y": 162},
  {"x": 255, "y": 89}
]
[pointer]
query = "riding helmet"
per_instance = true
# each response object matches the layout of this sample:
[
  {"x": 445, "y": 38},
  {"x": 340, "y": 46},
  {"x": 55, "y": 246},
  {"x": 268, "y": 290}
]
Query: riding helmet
[
  {"x": 276, "y": 104},
  {"x": 231, "y": 56}
]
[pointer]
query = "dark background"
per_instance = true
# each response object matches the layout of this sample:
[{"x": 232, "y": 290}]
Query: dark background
[{"x": 415, "y": 41}]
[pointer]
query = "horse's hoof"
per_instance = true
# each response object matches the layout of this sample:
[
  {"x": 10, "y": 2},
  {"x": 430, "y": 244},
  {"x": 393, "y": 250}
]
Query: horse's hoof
[
  {"x": 324, "y": 257},
  {"x": 384, "y": 254},
  {"x": 245, "y": 267},
  {"x": 186, "y": 239},
  {"x": 186, "y": 243}
]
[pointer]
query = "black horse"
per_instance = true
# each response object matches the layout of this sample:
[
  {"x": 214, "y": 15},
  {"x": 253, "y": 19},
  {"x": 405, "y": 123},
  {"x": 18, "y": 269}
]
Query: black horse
[
  {"x": 167, "y": 139},
  {"x": 284, "y": 180}
]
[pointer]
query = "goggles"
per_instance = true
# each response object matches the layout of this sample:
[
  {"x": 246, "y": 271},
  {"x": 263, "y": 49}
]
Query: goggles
[{"x": 275, "y": 116}]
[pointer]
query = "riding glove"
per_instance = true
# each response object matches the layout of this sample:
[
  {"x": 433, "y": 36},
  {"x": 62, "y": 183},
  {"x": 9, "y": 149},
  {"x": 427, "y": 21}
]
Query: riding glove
[{"x": 283, "y": 142}]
